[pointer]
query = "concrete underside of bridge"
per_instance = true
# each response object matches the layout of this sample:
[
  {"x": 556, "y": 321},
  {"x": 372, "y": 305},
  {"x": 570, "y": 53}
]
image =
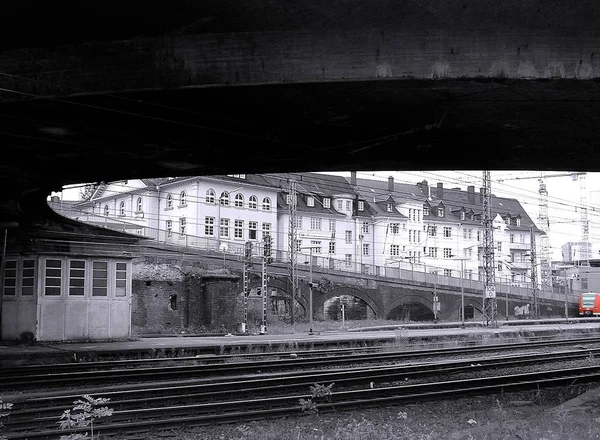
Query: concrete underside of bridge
[{"x": 117, "y": 90}]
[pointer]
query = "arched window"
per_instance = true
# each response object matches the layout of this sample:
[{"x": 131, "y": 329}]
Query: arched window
[
  {"x": 139, "y": 204},
  {"x": 182, "y": 199},
  {"x": 253, "y": 202},
  {"x": 239, "y": 201},
  {"x": 210, "y": 196},
  {"x": 106, "y": 210},
  {"x": 266, "y": 204},
  {"x": 224, "y": 199},
  {"x": 169, "y": 200},
  {"x": 122, "y": 208}
]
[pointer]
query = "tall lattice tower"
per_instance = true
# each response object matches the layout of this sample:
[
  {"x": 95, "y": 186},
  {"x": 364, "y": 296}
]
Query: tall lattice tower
[
  {"x": 544, "y": 224},
  {"x": 292, "y": 240},
  {"x": 585, "y": 223},
  {"x": 489, "y": 282},
  {"x": 534, "y": 283}
]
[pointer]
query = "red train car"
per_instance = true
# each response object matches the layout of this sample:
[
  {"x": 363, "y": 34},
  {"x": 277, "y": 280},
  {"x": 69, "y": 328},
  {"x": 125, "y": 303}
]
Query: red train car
[{"x": 589, "y": 304}]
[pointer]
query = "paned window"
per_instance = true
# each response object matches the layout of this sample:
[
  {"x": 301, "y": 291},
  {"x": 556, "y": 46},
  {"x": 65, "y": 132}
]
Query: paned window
[
  {"x": 332, "y": 247},
  {"x": 106, "y": 210},
  {"x": 266, "y": 204},
  {"x": 53, "y": 277},
  {"x": 209, "y": 226},
  {"x": 238, "y": 229},
  {"x": 447, "y": 232},
  {"x": 266, "y": 230},
  {"x": 121, "y": 279},
  {"x": 99, "y": 278},
  {"x": 361, "y": 205},
  {"x": 239, "y": 201},
  {"x": 252, "y": 230},
  {"x": 394, "y": 250},
  {"x": 77, "y": 277},
  {"x": 169, "y": 227},
  {"x": 224, "y": 228},
  {"x": 28, "y": 278},
  {"x": 139, "y": 207},
  {"x": 169, "y": 200},
  {"x": 326, "y": 203},
  {"x": 365, "y": 227},
  {"x": 348, "y": 236},
  {"x": 365, "y": 249},
  {"x": 224, "y": 199},
  {"x": 182, "y": 226},
  {"x": 332, "y": 225},
  {"x": 298, "y": 222},
  {"x": 447, "y": 253},
  {"x": 10, "y": 278},
  {"x": 122, "y": 209},
  {"x": 310, "y": 201},
  {"x": 394, "y": 228},
  {"x": 182, "y": 199},
  {"x": 315, "y": 224},
  {"x": 210, "y": 196},
  {"x": 252, "y": 202}
]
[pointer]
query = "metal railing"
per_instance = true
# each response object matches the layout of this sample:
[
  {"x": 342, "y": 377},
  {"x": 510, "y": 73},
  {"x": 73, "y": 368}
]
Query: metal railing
[{"x": 414, "y": 272}]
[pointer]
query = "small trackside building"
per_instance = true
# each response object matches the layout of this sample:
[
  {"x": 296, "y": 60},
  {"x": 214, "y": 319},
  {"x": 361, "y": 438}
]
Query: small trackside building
[{"x": 66, "y": 281}]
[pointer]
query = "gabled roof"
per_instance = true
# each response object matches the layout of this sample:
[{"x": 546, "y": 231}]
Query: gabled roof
[{"x": 378, "y": 190}]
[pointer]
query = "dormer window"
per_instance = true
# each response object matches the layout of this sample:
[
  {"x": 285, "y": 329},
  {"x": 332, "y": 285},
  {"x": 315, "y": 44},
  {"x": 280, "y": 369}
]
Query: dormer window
[
  {"x": 390, "y": 207},
  {"x": 518, "y": 221},
  {"x": 361, "y": 205},
  {"x": 326, "y": 203},
  {"x": 462, "y": 215},
  {"x": 310, "y": 201},
  {"x": 425, "y": 210},
  {"x": 507, "y": 220},
  {"x": 440, "y": 212}
]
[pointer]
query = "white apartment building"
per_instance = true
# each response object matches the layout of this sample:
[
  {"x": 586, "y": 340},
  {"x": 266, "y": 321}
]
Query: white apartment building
[{"x": 353, "y": 224}]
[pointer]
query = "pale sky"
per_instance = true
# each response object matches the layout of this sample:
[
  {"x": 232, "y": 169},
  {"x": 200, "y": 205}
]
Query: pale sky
[{"x": 563, "y": 197}]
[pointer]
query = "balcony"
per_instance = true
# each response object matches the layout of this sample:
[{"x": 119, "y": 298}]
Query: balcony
[{"x": 519, "y": 246}]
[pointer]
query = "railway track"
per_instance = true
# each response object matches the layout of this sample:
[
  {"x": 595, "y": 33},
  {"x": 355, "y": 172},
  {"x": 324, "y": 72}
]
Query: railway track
[
  {"x": 168, "y": 417},
  {"x": 103, "y": 373}
]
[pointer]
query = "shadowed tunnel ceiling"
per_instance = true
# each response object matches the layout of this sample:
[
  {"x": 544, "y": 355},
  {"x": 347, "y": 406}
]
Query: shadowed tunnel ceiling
[{"x": 116, "y": 90}]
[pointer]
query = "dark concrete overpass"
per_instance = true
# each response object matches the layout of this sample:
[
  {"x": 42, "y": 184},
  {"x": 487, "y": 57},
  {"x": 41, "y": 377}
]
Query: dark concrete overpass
[{"x": 114, "y": 90}]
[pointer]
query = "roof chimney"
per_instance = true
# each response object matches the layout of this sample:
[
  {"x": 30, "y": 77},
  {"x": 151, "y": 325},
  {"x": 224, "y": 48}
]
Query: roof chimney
[
  {"x": 471, "y": 193},
  {"x": 390, "y": 183},
  {"x": 440, "y": 190},
  {"x": 353, "y": 178}
]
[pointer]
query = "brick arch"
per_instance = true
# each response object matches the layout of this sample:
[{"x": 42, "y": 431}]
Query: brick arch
[
  {"x": 452, "y": 307},
  {"x": 409, "y": 297},
  {"x": 320, "y": 299}
]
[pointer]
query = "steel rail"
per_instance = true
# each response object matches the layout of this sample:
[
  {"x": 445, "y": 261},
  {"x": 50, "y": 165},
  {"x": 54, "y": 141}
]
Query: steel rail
[
  {"x": 146, "y": 420},
  {"x": 23, "y": 411},
  {"x": 156, "y": 373}
]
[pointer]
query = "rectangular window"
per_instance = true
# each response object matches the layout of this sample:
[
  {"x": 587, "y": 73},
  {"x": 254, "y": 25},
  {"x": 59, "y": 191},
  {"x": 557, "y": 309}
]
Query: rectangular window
[
  {"x": 298, "y": 222},
  {"x": 326, "y": 203},
  {"x": 315, "y": 224},
  {"x": 468, "y": 253},
  {"x": 395, "y": 250},
  {"x": 511, "y": 238},
  {"x": 252, "y": 230},
  {"x": 447, "y": 272},
  {"x": 499, "y": 267},
  {"x": 10, "y": 278},
  {"x": 99, "y": 278},
  {"x": 298, "y": 245},
  {"x": 310, "y": 201},
  {"x": 447, "y": 232},
  {"x": 584, "y": 282},
  {"x": 499, "y": 246},
  {"x": 121, "y": 280},
  {"x": 332, "y": 225},
  {"x": 348, "y": 236},
  {"x": 238, "y": 229},
  {"x": 340, "y": 205},
  {"x": 394, "y": 228},
  {"x": 28, "y": 278},
  {"x": 432, "y": 231},
  {"x": 348, "y": 260},
  {"x": 410, "y": 236},
  {"x": 478, "y": 235},
  {"x": 447, "y": 253},
  {"x": 440, "y": 212},
  {"x": 77, "y": 277},
  {"x": 365, "y": 227},
  {"x": 182, "y": 226},
  {"x": 266, "y": 230},
  {"x": 361, "y": 205},
  {"x": 224, "y": 228},
  {"x": 209, "y": 226},
  {"x": 348, "y": 205},
  {"x": 425, "y": 210},
  {"x": 433, "y": 252},
  {"x": 332, "y": 247},
  {"x": 317, "y": 247},
  {"x": 53, "y": 278},
  {"x": 365, "y": 249},
  {"x": 169, "y": 228},
  {"x": 418, "y": 236}
]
